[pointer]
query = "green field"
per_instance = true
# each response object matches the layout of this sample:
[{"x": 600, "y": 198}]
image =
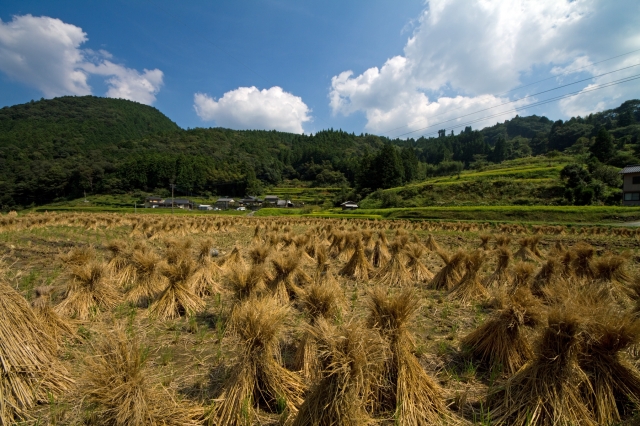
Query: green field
[
  {"x": 541, "y": 214},
  {"x": 525, "y": 181}
]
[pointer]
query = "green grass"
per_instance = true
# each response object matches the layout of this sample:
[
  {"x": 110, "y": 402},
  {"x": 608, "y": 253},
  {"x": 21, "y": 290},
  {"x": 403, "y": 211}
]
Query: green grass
[
  {"x": 524, "y": 181},
  {"x": 531, "y": 214}
]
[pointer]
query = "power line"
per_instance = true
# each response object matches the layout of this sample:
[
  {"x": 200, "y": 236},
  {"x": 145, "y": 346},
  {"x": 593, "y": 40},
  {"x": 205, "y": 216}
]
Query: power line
[
  {"x": 520, "y": 99},
  {"x": 569, "y": 72},
  {"x": 546, "y": 101},
  {"x": 536, "y": 82}
]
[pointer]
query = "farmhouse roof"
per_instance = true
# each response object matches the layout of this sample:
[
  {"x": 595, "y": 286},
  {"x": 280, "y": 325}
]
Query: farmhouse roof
[
  {"x": 631, "y": 169},
  {"x": 225, "y": 200}
]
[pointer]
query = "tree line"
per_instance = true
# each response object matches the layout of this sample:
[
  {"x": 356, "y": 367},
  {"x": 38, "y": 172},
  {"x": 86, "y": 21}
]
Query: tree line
[{"x": 61, "y": 148}]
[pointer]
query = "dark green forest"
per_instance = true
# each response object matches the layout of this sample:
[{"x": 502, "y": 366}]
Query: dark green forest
[{"x": 61, "y": 148}]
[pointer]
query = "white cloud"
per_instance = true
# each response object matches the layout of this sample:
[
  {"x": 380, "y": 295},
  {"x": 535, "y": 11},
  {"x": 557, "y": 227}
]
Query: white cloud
[
  {"x": 250, "y": 108},
  {"x": 463, "y": 52},
  {"x": 127, "y": 83},
  {"x": 45, "y": 53}
]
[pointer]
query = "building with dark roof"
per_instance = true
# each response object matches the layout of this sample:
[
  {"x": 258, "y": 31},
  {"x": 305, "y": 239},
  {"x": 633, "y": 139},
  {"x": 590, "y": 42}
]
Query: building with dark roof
[{"x": 631, "y": 185}]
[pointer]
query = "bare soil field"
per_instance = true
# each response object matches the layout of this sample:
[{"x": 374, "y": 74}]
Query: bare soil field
[{"x": 111, "y": 319}]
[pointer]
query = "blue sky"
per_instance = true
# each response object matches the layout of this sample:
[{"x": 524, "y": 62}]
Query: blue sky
[{"x": 395, "y": 68}]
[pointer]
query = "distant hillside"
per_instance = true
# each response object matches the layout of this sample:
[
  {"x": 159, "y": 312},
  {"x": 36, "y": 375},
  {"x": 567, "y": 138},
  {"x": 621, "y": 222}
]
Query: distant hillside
[
  {"x": 61, "y": 148},
  {"x": 82, "y": 122}
]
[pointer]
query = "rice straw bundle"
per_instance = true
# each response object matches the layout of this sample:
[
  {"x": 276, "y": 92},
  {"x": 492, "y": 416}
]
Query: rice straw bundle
[
  {"x": 394, "y": 272},
  {"x": 289, "y": 277},
  {"x": 615, "y": 383},
  {"x": 259, "y": 254},
  {"x": 382, "y": 236},
  {"x": 256, "y": 235},
  {"x": 234, "y": 258},
  {"x": 431, "y": 244},
  {"x": 525, "y": 253},
  {"x": 470, "y": 288},
  {"x": 559, "y": 247},
  {"x": 79, "y": 256},
  {"x": 548, "y": 275},
  {"x": 337, "y": 244},
  {"x": 119, "y": 258},
  {"x": 523, "y": 274},
  {"x": 149, "y": 280},
  {"x": 401, "y": 240},
  {"x": 51, "y": 322},
  {"x": 349, "y": 246},
  {"x": 118, "y": 385},
  {"x": 177, "y": 250},
  {"x": 320, "y": 300},
  {"x": 246, "y": 282},
  {"x": 88, "y": 291},
  {"x": 611, "y": 280},
  {"x": 547, "y": 391},
  {"x": 566, "y": 259},
  {"x": 358, "y": 267},
  {"x": 204, "y": 280},
  {"x": 258, "y": 379},
  {"x": 501, "y": 342},
  {"x": 405, "y": 389},
  {"x": 502, "y": 241},
  {"x": 634, "y": 292},
  {"x": 418, "y": 270},
  {"x": 449, "y": 275},
  {"x": 178, "y": 297},
  {"x": 501, "y": 275},
  {"x": 379, "y": 254},
  {"x": 29, "y": 370},
  {"x": 484, "y": 242},
  {"x": 351, "y": 357},
  {"x": 367, "y": 239},
  {"x": 533, "y": 245},
  {"x": 581, "y": 263}
]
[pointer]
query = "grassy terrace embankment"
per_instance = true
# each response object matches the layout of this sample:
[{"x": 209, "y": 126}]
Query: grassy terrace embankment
[
  {"x": 541, "y": 214},
  {"x": 525, "y": 181}
]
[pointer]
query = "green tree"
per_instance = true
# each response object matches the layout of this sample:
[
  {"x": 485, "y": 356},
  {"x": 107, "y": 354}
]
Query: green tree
[
  {"x": 603, "y": 148},
  {"x": 388, "y": 167},
  {"x": 499, "y": 151},
  {"x": 409, "y": 163}
]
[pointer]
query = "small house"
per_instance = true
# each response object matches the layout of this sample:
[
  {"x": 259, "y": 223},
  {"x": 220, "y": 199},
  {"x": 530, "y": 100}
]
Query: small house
[
  {"x": 180, "y": 203},
  {"x": 271, "y": 199},
  {"x": 205, "y": 207},
  {"x": 152, "y": 202},
  {"x": 225, "y": 203},
  {"x": 284, "y": 203},
  {"x": 251, "y": 201},
  {"x": 349, "y": 205},
  {"x": 631, "y": 185}
]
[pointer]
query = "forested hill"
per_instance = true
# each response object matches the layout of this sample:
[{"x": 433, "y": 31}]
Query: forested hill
[
  {"x": 88, "y": 122},
  {"x": 60, "y": 148}
]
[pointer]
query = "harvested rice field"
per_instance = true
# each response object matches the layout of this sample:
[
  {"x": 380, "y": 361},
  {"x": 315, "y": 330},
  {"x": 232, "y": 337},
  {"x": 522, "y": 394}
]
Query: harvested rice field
[{"x": 111, "y": 319}]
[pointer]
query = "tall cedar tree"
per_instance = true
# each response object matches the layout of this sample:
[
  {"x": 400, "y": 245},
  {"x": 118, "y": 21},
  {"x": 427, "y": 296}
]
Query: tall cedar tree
[{"x": 603, "y": 148}]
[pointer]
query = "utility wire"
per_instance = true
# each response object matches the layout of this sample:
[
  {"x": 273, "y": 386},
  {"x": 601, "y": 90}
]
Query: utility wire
[
  {"x": 546, "y": 101},
  {"x": 569, "y": 72},
  {"x": 536, "y": 82},
  {"x": 520, "y": 99}
]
